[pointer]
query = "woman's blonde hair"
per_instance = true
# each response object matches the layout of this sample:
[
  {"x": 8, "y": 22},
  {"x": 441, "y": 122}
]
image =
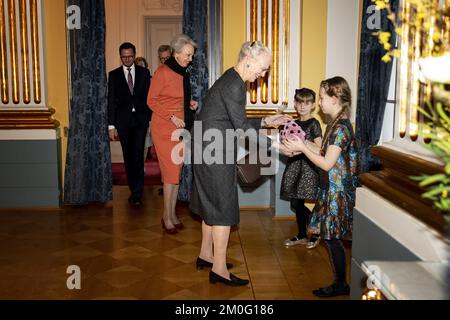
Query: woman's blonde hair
[
  {"x": 338, "y": 87},
  {"x": 253, "y": 49},
  {"x": 179, "y": 41}
]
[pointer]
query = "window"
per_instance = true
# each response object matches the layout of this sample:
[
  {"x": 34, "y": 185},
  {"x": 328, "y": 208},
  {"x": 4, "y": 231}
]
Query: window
[{"x": 402, "y": 120}]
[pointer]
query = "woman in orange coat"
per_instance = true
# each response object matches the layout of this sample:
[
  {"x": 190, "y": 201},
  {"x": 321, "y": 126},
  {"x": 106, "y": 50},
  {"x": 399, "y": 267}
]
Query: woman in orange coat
[{"x": 169, "y": 97}]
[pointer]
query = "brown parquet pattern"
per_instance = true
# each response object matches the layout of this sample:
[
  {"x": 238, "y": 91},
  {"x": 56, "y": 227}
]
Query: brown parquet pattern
[{"x": 123, "y": 253}]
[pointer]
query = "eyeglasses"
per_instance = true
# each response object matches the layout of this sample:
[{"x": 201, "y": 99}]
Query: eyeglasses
[
  {"x": 126, "y": 57},
  {"x": 164, "y": 59}
]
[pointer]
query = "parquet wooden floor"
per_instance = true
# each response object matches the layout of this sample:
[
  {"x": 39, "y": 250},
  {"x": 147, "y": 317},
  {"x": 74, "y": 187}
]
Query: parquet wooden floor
[{"x": 123, "y": 253}]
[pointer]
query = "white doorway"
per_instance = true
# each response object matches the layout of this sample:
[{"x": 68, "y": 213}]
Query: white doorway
[{"x": 158, "y": 31}]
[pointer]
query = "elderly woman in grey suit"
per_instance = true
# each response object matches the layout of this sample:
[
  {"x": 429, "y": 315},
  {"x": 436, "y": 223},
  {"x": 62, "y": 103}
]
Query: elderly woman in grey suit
[{"x": 214, "y": 194}]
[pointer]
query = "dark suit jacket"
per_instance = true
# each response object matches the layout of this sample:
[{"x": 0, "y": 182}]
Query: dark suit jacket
[{"x": 121, "y": 101}]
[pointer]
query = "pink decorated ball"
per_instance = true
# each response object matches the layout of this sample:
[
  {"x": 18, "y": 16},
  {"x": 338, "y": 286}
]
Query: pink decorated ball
[{"x": 292, "y": 130}]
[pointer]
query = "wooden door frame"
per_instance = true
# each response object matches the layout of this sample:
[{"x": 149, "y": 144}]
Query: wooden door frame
[{"x": 148, "y": 20}]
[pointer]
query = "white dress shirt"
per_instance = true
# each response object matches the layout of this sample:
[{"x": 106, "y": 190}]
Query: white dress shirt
[{"x": 133, "y": 72}]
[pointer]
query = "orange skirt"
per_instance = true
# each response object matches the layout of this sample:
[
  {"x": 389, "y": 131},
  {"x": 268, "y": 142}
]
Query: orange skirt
[{"x": 170, "y": 153}]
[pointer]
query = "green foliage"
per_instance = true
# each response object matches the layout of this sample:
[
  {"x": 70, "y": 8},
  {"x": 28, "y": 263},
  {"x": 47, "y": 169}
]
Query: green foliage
[{"x": 437, "y": 131}]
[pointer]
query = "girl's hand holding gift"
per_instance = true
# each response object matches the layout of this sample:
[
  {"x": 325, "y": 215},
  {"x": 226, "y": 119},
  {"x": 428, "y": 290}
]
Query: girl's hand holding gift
[{"x": 295, "y": 145}]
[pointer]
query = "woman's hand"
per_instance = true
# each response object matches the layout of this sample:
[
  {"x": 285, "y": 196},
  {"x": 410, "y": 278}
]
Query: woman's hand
[
  {"x": 193, "y": 105},
  {"x": 177, "y": 122},
  {"x": 295, "y": 145},
  {"x": 113, "y": 135},
  {"x": 276, "y": 120}
]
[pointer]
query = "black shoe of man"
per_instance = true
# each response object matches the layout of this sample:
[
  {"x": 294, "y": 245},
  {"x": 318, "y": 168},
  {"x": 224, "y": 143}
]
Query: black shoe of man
[{"x": 135, "y": 201}]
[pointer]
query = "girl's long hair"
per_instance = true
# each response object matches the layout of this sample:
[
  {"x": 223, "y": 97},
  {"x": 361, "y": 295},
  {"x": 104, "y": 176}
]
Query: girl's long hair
[{"x": 337, "y": 87}]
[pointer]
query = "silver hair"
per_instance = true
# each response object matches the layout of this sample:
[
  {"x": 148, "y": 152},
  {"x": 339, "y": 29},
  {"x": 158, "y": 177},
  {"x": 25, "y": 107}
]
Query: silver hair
[
  {"x": 254, "y": 49},
  {"x": 180, "y": 41}
]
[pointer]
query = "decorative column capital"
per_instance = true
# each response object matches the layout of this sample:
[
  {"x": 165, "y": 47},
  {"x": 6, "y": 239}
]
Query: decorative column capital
[{"x": 28, "y": 119}]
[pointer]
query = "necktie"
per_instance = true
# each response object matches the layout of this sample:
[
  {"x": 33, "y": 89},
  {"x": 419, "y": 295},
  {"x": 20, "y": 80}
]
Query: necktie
[
  {"x": 130, "y": 81},
  {"x": 130, "y": 85}
]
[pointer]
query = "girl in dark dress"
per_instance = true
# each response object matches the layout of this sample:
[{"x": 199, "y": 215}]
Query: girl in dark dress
[{"x": 300, "y": 178}]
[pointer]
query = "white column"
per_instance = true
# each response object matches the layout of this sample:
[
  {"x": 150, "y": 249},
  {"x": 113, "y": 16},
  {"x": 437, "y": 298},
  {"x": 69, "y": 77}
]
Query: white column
[{"x": 342, "y": 44}]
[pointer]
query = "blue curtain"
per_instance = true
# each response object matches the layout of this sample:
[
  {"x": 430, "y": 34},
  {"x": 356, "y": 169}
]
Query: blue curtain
[
  {"x": 88, "y": 175},
  {"x": 195, "y": 25},
  {"x": 373, "y": 86}
]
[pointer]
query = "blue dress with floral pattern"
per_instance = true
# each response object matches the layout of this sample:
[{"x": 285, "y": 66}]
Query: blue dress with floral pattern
[{"x": 332, "y": 216}]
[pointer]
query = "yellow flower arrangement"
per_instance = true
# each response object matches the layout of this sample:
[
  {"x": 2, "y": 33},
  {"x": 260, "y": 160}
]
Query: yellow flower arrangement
[{"x": 424, "y": 13}]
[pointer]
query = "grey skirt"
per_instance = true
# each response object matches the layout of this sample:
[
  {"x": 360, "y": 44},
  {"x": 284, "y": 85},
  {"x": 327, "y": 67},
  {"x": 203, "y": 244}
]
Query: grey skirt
[{"x": 214, "y": 194}]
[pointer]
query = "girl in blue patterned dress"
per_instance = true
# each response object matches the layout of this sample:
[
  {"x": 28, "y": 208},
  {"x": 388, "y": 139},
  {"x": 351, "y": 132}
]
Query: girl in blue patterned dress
[{"x": 337, "y": 160}]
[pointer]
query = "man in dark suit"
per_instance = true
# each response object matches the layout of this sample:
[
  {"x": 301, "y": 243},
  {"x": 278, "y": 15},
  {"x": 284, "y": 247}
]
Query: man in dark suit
[{"x": 129, "y": 116}]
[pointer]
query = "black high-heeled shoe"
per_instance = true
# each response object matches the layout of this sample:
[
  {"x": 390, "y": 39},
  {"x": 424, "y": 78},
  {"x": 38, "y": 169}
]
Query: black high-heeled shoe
[
  {"x": 200, "y": 263},
  {"x": 234, "y": 281}
]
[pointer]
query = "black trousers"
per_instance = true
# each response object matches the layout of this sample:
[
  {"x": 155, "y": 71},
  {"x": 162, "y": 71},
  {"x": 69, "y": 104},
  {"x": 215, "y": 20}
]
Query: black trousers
[
  {"x": 132, "y": 139},
  {"x": 302, "y": 213}
]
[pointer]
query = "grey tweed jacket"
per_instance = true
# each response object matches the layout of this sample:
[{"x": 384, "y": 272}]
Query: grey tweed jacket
[{"x": 214, "y": 193}]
